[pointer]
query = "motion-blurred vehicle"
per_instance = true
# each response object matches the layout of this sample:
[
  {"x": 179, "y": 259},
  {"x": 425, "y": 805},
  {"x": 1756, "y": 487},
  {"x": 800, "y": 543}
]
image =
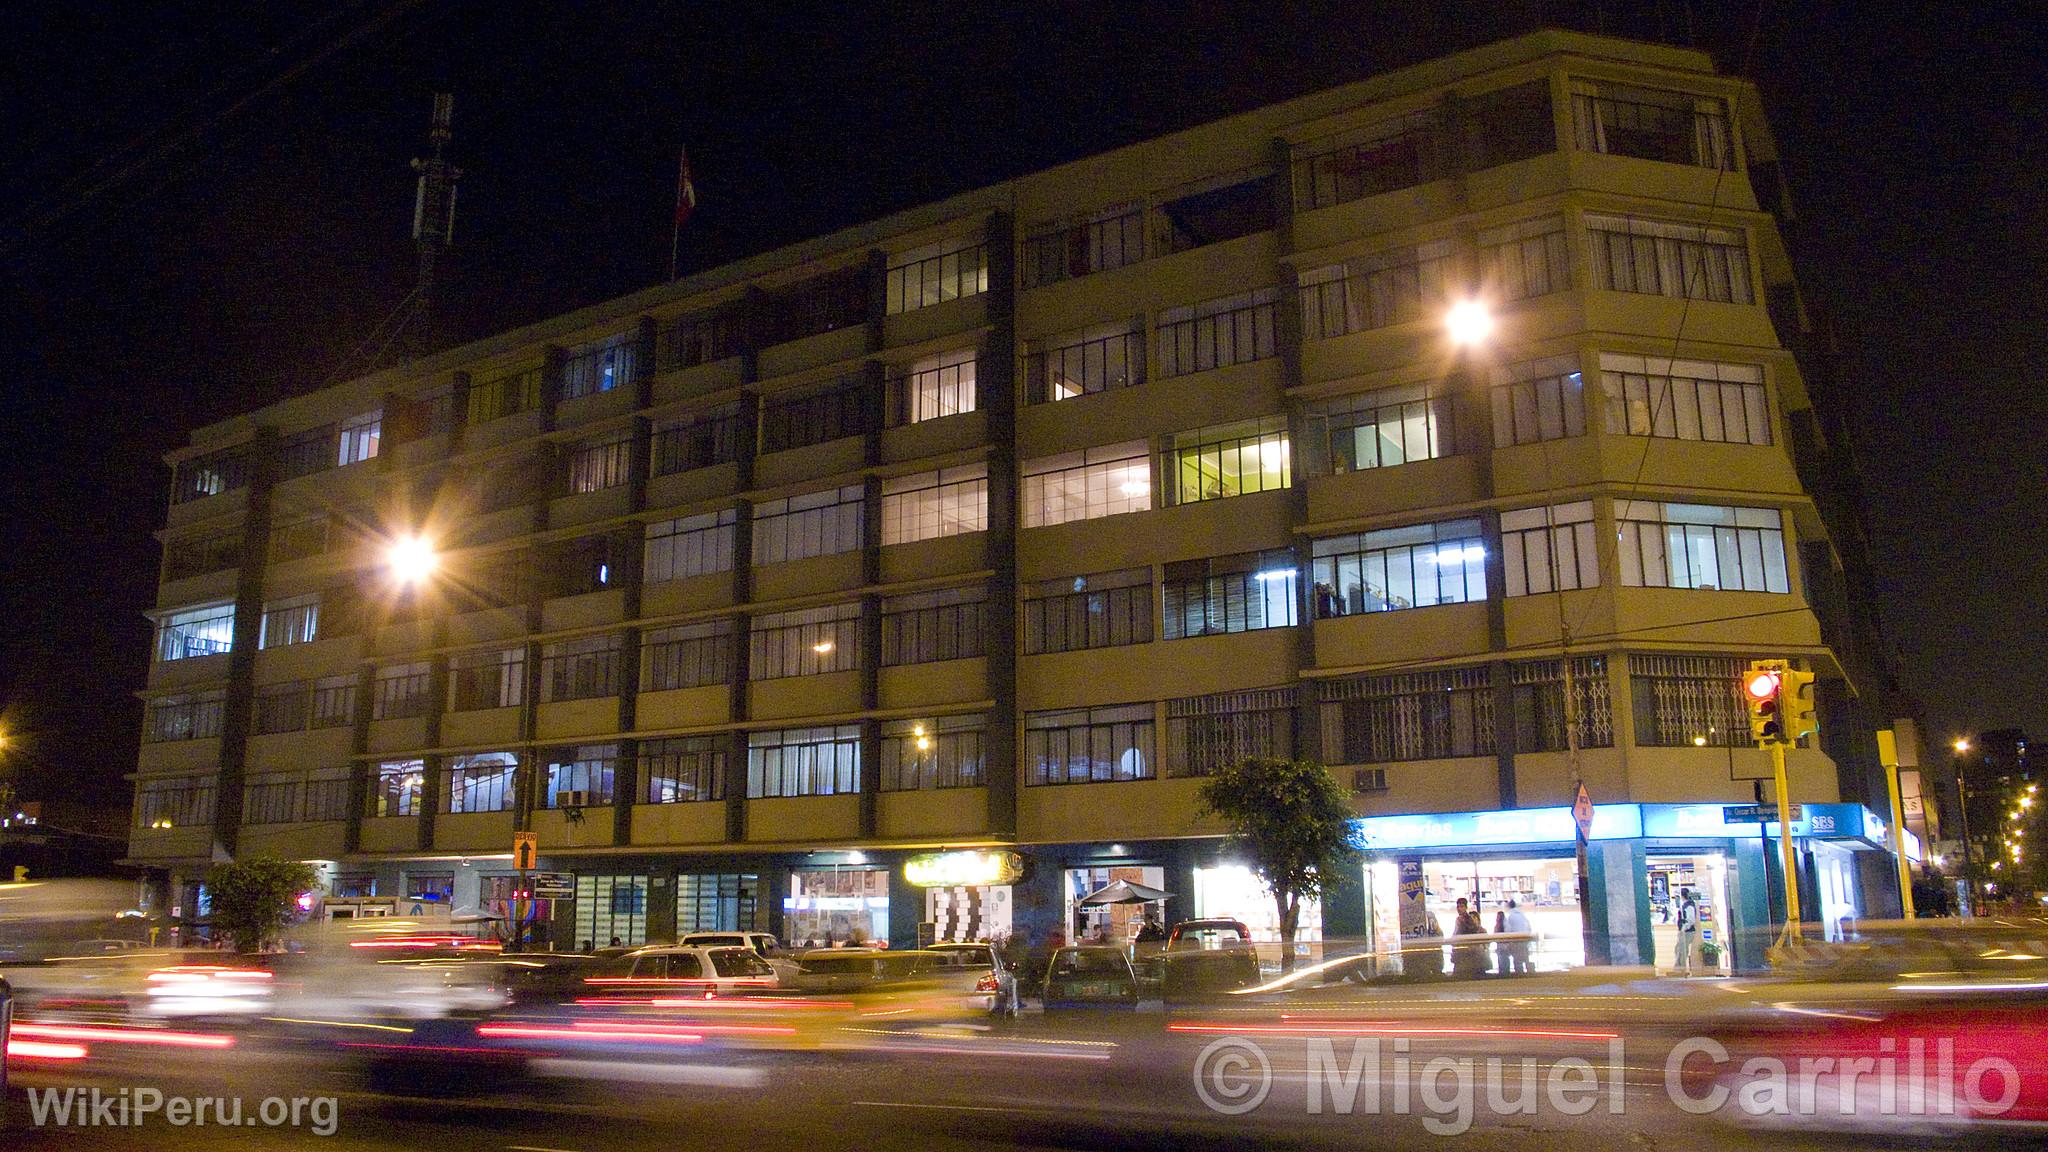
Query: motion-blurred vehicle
[
  {"x": 861, "y": 969},
  {"x": 690, "y": 970},
  {"x": 1090, "y": 976},
  {"x": 762, "y": 944},
  {"x": 1205, "y": 958},
  {"x": 993, "y": 975}
]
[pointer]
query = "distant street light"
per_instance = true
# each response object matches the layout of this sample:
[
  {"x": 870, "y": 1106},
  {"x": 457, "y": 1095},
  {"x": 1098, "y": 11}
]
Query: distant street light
[
  {"x": 412, "y": 559},
  {"x": 1962, "y": 745},
  {"x": 1468, "y": 322}
]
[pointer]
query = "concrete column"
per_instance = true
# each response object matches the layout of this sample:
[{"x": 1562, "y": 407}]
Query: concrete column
[
  {"x": 1620, "y": 899},
  {"x": 996, "y": 394},
  {"x": 238, "y": 705}
]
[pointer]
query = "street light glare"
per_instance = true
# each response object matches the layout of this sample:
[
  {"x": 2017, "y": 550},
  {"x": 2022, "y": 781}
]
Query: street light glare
[
  {"x": 1469, "y": 322},
  {"x": 412, "y": 559},
  {"x": 1962, "y": 744}
]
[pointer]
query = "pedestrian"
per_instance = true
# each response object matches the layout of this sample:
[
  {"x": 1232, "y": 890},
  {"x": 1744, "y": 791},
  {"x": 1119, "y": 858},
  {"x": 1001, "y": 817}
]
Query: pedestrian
[
  {"x": 1500, "y": 948},
  {"x": 1688, "y": 929},
  {"x": 589, "y": 946},
  {"x": 1518, "y": 949},
  {"x": 1468, "y": 959},
  {"x": 616, "y": 943}
]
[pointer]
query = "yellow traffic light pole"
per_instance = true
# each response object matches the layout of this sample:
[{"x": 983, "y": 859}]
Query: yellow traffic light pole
[
  {"x": 1888, "y": 755},
  {"x": 1772, "y": 686},
  {"x": 1791, "y": 862}
]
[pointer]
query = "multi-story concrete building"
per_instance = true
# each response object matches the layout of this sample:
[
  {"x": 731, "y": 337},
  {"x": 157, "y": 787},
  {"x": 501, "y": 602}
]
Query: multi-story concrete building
[{"x": 997, "y": 524}]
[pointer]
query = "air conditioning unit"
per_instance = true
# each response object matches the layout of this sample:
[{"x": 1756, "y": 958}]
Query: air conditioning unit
[
  {"x": 1369, "y": 780},
  {"x": 574, "y": 798}
]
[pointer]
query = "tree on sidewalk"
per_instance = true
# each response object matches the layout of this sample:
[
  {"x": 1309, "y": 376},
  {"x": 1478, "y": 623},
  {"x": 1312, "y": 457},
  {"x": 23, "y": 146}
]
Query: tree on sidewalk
[
  {"x": 1292, "y": 822},
  {"x": 254, "y": 898}
]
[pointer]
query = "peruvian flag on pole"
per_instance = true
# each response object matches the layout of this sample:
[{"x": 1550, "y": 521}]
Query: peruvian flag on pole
[{"x": 686, "y": 203}]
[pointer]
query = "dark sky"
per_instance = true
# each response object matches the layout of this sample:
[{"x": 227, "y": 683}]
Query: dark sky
[{"x": 205, "y": 207}]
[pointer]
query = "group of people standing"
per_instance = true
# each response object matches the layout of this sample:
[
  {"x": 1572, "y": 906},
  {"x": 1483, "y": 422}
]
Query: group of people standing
[{"x": 1504, "y": 957}]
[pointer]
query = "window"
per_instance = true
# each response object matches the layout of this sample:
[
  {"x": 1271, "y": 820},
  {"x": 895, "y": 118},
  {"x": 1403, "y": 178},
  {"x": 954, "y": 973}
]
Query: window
[
  {"x": 1205, "y": 734},
  {"x": 689, "y": 546},
  {"x": 928, "y": 505},
  {"x": 307, "y": 452},
  {"x": 582, "y": 669},
  {"x": 1375, "y": 291},
  {"x": 922, "y": 755},
  {"x": 1701, "y": 546},
  {"x": 808, "y": 642},
  {"x": 1410, "y": 716},
  {"x": 1218, "y": 214},
  {"x": 1240, "y": 593},
  {"x": 697, "y": 441},
  {"x": 581, "y": 567},
  {"x": 581, "y": 776},
  {"x": 483, "y": 782},
  {"x": 682, "y": 770},
  {"x": 199, "y": 555},
  {"x": 293, "y": 621},
  {"x": 432, "y": 887},
  {"x": 334, "y": 701},
  {"x": 297, "y": 540},
  {"x": 282, "y": 707},
  {"x": 1548, "y": 549},
  {"x": 1089, "y": 360},
  {"x": 596, "y": 368},
  {"x": 1383, "y": 429},
  {"x": 819, "y": 305},
  {"x": 599, "y": 464},
  {"x": 481, "y": 680},
  {"x": 1229, "y": 460},
  {"x": 823, "y": 523},
  {"x": 1538, "y": 400},
  {"x": 1685, "y": 399},
  {"x": 1396, "y": 568},
  {"x": 695, "y": 340},
  {"x": 719, "y": 902},
  {"x": 1506, "y": 125},
  {"x": 1104, "y": 610},
  {"x": 326, "y": 795},
  {"x": 174, "y": 803},
  {"x": 1539, "y": 705},
  {"x": 1684, "y": 701},
  {"x": 804, "y": 761},
  {"x": 1661, "y": 258},
  {"x": 1650, "y": 124},
  {"x": 1524, "y": 260},
  {"x": 360, "y": 436},
  {"x": 186, "y": 716},
  {"x": 690, "y": 656},
  {"x": 209, "y": 475},
  {"x": 607, "y": 907},
  {"x": 931, "y": 626},
  {"x": 1396, "y": 154},
  {"x": 935, "y": 274},
  {"x": 206, "y": 631},
  {"x": 504, "y": 396},
  {"x": 815, "y": 415},
  {"x": 395, "y": 789},
  {"x": 399, "y": 691},
  {"x": 1107, "y": 239},
  {"x": 271, "y": 799},
  {"x": 1104, "y": 481},
  {"x": 1089, "y": 745},
  {"x": 1228, "y": 330},
  {"x": 935, "y": 386}
]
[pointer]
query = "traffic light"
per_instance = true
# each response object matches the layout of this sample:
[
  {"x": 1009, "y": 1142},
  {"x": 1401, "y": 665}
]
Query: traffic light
[
  {"x": 1763, "y": 686},
  {"x": 1795, "y": 697}
]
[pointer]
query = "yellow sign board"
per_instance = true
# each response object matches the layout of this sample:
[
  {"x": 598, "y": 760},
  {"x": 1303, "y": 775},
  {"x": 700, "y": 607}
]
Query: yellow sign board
[{"x": 963, "y": 869}]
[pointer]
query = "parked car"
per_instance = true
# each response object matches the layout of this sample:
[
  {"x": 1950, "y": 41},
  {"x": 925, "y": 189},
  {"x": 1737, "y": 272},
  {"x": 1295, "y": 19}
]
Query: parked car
[
  {"x": 1090, "y": 976},
  {"x": 994, "y": 980},
  {"x": 689, "y": 970},
  {"x": 1205, "y": 958},
  {"x": 860, "y": 969},
  {"x": 762, "y": 944}
]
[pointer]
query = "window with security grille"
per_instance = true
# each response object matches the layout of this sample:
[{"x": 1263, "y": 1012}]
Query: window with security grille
[
  {"x": 816, "y": 415},
  {"x": 1688, "y": 701},
  {"x": 580, "y": 669},
  {"x": 207, "y": 631},
  {"x": 399, "y": 691},
  {"x": 1701, "y": 546},
  {"x": 297, "y": 540},
  {"x": 929, "y": 626},
  {"x": 504, "y": 396},
  {"x": 282, "y": 707},
  {"x": 492, "y": 679},
  {"x": 209, "y": 475},
  {"x": 804, "y": 761},
  {"x": 1089, "y": 745},
  {"x": 1238, "y": 593},
  {"x": 1539, "y": 704},
  {"x": 361, "y": 436},
  {"x": 293, "y": 621},
  {"x": 334, "y": 701},
  {"x": 1685, "y": 399},
  {"x": 198, "y": 555},
  {"x": 929, "y": 505},
  {"x": 596, "y": 465},
  {"x": 1099, "y": 610},
  {"x": 184, "y": 716},
  {"x": 325, "y": 796},
  {"x": 395, "y": 788},
  {"x": 698, "y": 440},
  {"x": 271, "y": 798},
  {"x": 688, "y": 656},
  {"x": 927, "y": 754},
  {"x": 1205, "y": 734},
  {"x": 1668, "y": 258},
  {"x": 682, "y": 770},
  {"x": 600, "y": 367},
  {"x": 807, "y": 642},
  {"x": 703, "y": 339},
  {"x": 1434, "y": 715},
  {"x": 181, "y": 803},
  {"x": 479, "y": 782},
  {"x": 1549, "y": 549}
]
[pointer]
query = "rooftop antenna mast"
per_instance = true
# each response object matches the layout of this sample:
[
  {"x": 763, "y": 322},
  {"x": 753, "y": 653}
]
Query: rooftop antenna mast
[{"x": 433, "y": 221}]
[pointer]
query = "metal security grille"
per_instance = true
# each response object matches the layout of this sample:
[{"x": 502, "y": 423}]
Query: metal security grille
[
  {"x": 1681, "y": 701},
  {"x": 1208, "y": 733},
  {"x": 1411, "y": 716},
  {"x": 1539, "y": 704}
]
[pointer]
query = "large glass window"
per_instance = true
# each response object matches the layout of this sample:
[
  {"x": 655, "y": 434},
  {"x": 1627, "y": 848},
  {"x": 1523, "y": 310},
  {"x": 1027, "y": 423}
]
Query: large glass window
[
  {"x": 695, "y": 340},
  {"x": 1520, "y": 261},
  {"x": 1665, "y": 258},
  {"x": 1205, "y": 734},
  {"x": 1089, "y": 745},
  {"x": 935, "y": 386},
  {"x": 271, "y": 798},
  {"x": 581, "y": 776},
  {"x": 360, "y": 437},
  {"x": 209, "y": 475},
  {"x": 689, "y": 546},
  {"x": 1376, "y": 291},
  {"x": 719, "y": 902},
  {"x": 493, "y": 679},
  {"x": 1651, "y": 124},
  {"x": 307, "y": 452},
  {"x": 481, "y": 782},
  {"x": 1385, "y": 157},
  {"x": 820, "y": 523},
  {"x": 608, "y": 908},
  {"x": 1104, "y": 481},
  {"x": 808, "y": 642},
  {"x": 399, "y": 691},
  {"x": 1227, "y": 330},
  {"x": 1110, "y": 238},
  {"x": 1396, "y": 568},
  {"x": 948, "y": 270},
  {"x": 804, "y": 761},
  {"x": 184, "y": 803},
  {"x": 1410, "y": 716},
  {"x": 1240, "y": 593},
  {"x": 817, "y": 415},
  {"x": 297, "y": 540},
  {"x": 395, "y": 788},
  {"x": 689, "y": 656},
  {"x": 198, "y": 555},
  {"x": 928, "y": 505},
  {"x": 1547, "y": 549},
  {"x": 1098, "y": 359},
  {"x": 1219, "y": 213},
  {"x": 1539, "y": 705},
  {"x": 1687, "y": 701},
  {"x": 1538, "y": 400},
  {"x": 600, "y": 367},
  {"x": 581, "y": 669},
  {"x": 1230, "y": 460},
  {"x": 184, "y": 716},
  {"x": 1703, "y": 546},
  {"x": 682, "y": 770},
  {"x": 1383, "y": 429},
  {"x": 207, "y": 631},
  {"x": 930, "y": 626},
  {"x": 1102, "y": 610},
  {"x": 1685, "y": 399},
  {"x": 921, "y": 755},
  {"x": 599, "y": 464},
  {"x": 293, "y": 621},
  {"x": 698, "y": 440},
  {"x": 504, "y": 396}
]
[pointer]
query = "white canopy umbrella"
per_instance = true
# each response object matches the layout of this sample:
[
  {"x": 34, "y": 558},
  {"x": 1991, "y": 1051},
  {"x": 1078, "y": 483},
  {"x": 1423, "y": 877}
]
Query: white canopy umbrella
[{"x": 1124, "y": 892}]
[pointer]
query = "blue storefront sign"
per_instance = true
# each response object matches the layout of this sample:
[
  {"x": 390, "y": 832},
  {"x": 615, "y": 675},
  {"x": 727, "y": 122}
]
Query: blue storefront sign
[{"x": 1610, "y": 822}]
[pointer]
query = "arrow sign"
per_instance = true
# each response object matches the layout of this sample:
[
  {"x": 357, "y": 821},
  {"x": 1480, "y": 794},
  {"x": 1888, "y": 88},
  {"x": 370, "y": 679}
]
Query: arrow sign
[{"x": 1582, "y": 812}]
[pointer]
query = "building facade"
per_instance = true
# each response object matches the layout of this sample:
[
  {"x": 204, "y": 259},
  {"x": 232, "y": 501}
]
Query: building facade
[{"x": 997, "y": 524}]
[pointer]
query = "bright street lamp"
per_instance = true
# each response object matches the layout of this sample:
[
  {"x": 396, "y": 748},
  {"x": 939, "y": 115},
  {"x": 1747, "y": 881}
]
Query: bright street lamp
[
  {"x": 1468, "y": 322},
  {"x": 1962, "y": 744},
  {"x": 412, "y": 559}
]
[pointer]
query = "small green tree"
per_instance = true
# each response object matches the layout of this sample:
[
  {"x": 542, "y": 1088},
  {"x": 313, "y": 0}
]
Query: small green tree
[
  {"x": 1292, "y": 820},
  {"x": 253, "y": 898}
]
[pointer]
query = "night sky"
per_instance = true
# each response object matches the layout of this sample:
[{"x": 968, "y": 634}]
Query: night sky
[{"x": 204, "y": 208}]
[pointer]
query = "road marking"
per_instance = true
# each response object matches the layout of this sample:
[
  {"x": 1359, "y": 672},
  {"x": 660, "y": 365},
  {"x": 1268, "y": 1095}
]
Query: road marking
[
  {"x": 936, "y": 1107},
  {"x": 703, "y": 1075}
]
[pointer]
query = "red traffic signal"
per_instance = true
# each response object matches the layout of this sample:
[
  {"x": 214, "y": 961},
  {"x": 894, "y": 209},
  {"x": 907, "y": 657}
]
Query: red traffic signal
[{"x": 1761, "y": 685}]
